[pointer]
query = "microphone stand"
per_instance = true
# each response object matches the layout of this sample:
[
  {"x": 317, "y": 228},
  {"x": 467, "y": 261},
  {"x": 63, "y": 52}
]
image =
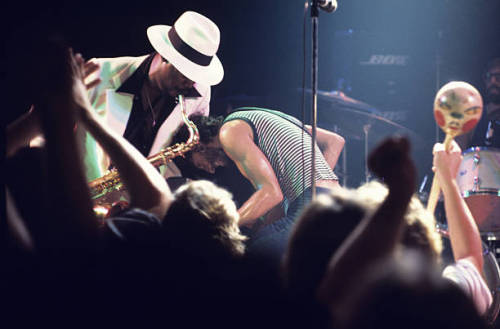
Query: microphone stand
[{"x": 314, "y": 17}]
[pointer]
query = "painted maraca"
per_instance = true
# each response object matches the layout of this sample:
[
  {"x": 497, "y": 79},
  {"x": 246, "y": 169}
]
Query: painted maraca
[{"x": 457, "y": 109}]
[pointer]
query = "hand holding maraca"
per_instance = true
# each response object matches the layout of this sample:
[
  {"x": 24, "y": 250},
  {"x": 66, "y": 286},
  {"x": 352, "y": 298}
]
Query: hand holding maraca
[{"x": 457, "y": 109}]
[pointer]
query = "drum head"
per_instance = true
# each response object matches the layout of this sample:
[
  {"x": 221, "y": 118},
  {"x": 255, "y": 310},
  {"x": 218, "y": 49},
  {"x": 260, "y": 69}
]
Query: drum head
[{"x": 485, "y": 209}]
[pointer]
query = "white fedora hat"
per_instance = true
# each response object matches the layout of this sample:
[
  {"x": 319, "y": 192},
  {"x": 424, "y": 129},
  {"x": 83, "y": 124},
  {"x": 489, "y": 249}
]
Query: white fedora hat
[{"x": 190, "y": 45}]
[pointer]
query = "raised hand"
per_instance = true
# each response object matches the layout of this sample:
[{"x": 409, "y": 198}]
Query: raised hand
[
  {"x": 88, "y": 68},
  {"x": 78, "y": 71},
  {"x": 446, "y": 163},
  {"x": 391, "y": 162}
]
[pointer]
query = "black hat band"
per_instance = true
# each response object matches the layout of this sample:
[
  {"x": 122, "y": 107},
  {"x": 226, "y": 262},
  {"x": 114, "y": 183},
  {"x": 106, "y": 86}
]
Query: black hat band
[{"x": 186, "y": 50}]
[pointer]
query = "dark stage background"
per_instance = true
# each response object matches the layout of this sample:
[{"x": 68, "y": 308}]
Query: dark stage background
[{"x": 390, "y": 54}]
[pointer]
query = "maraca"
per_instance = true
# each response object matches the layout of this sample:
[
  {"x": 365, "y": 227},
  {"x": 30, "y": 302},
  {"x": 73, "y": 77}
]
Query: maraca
[{"x": 457, "y": 109}]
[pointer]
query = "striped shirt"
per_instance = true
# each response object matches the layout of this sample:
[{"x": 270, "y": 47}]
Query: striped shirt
[{"x": 287, "y": 147}]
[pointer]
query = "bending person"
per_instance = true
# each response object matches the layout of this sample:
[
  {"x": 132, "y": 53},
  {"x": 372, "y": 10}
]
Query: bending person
[{"x": 273, "y": 152}]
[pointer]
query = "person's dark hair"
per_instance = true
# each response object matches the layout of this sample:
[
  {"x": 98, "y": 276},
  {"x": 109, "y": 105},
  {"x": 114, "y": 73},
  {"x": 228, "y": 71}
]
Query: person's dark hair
[
  {"x": 208, "y": 128},
  {"x": 320, "y": 230},
  {"x": 494, "y": 62}
]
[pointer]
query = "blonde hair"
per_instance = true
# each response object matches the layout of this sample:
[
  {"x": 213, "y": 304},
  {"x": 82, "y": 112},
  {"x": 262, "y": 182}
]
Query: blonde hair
[
  {"x": 421, "y": 230},
  {"x": 216, "y": 207}
]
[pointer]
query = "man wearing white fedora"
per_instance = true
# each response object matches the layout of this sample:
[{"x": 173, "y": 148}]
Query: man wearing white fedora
[{"x": 136, "y": 95}]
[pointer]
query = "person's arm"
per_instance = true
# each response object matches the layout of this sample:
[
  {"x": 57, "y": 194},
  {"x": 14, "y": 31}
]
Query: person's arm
[
  {"x": 330, "y": 144},
  {"x": 74, "y": 222},
  {"x": 16, "y": 226},
  {"x": 147, "y": 188},
  {"x": 20, "y": 132},
  {"x": 464, "y": 234},
  {"x": 236, "y": 138},
  {"x": 376, "y": 237}
]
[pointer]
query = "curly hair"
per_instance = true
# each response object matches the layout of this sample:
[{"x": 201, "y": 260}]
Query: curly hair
[
  {"x": 420, "y": 231},
  {"x": 203, "y": 219},
  {"x": 208, "y": 128}
]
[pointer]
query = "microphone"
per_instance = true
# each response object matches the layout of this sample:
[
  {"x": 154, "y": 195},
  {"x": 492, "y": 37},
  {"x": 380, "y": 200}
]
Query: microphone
[{"x": 328, "y": 5}]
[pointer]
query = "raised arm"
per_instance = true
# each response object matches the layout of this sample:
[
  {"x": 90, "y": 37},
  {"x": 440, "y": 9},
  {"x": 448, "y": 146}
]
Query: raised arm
[
  {"x": 147, "y": 188},
  {"x": 376, "y": 237},
  {"x": 74, "y": 222},
  {"x": 236, "y": 138},
  {"x": 330, "y": 144},
  {"x": 464, "y": 234}
]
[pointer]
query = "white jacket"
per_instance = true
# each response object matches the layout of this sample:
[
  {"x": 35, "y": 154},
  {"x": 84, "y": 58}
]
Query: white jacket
[{"x": 115, "y": 108}]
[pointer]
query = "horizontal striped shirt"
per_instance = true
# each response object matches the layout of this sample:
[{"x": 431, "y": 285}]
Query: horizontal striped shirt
[{"x": 287, "y": 147}]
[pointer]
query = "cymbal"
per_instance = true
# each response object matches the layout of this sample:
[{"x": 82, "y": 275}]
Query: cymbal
[
  {"x": 357, "y": 120},
  {"x": 341, "y": 99}
]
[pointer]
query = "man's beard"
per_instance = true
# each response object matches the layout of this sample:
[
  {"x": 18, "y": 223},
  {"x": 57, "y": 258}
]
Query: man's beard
[{"x": 492, "y": 96}]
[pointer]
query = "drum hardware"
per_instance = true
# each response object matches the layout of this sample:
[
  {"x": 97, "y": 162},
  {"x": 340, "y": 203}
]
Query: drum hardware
[
  {"x": 476, "y": 184},
  {"x": 476, "y": 157}
]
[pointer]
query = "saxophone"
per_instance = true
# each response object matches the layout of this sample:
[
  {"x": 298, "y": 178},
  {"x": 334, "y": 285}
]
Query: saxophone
[{"x": 108, "y": 189}]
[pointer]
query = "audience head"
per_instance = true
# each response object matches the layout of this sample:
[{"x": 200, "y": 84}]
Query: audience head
[
  {"x": 420, "y": 229},
  {"x": 203, "y": 220},
  {"x": 319, "y": 231}
]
